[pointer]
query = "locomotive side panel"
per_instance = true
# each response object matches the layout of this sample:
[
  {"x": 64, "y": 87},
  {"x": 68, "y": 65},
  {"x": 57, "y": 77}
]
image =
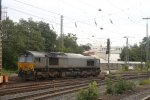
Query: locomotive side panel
[
  {"x": 63, "y": 62},
  {"x": 53, "y": 62},
  {"x": 76, "y": 62},
  {"x": 40, "y": 62}
]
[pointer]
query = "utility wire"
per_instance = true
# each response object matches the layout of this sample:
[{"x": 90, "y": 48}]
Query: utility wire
[
  {"x": 37, "y": 7},
  {"x": 84, "y": 22},
  {"x": 32, "y": 15},
  {"x": 123, "y": 10},
  {"x": 45, "y": 10},
  {"x": 116, "y": 12}
]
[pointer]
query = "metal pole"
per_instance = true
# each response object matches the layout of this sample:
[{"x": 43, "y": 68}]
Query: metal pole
[
  {"x": 0, "y": 37},
  {"x": 126, "y": 52},
  {"x": 61, "y": 33},
  {"x": 147, "y": 42},
  {"x": 108, "y": 63},
  {"x": 0, "y": 10},
  {"x": 108, "y": 52}
]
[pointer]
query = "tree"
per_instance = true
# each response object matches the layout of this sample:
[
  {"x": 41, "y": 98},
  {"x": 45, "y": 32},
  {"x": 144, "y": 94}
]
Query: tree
[
  {"x": 28, "y": 36},
  {"x": 8, "y": 44},
  {"x": 86, "y": 47},
  {"x": 70, "y": 44},
  {"x": 25, "y": 35},
  {"x": 134, "y": 53},
  {"x": 137, "y": 53},
  {"x": 49, "y": 36}
]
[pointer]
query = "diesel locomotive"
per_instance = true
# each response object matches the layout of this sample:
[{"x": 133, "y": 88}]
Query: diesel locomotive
[{"x": 34, "y": 65}]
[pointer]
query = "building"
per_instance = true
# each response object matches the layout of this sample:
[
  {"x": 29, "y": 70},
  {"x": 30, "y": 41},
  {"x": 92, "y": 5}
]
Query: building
[
  {"x": 114, "y": 63},
  {"x": 101, "y": 52}
]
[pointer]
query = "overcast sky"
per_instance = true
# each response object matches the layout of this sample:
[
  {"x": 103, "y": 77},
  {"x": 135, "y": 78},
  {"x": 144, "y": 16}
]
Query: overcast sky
[{"x": 93, "y": 21}]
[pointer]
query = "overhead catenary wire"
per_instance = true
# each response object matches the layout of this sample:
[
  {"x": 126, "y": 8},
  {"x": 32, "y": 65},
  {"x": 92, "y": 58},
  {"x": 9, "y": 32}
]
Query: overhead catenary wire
[
  {"x": 74, "y": 21},
  {"x": 31, "y": 15},
  {"x": 124, "y": 10},
  {"x": 45, "y": 10},
  {"x": 106, "y": 29},
  {"x": 84, "y": 22},
  {"x": 119, "y": 11},
  {"x": 37, "y": 7},
  {"x": 41, "y": 18}
]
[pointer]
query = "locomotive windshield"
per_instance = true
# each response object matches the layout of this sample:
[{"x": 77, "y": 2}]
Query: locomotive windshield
[
  {"x": 21, "y": 59},
  {"x": 29, "y": 59},
  {"x": 25, "y": 59}
]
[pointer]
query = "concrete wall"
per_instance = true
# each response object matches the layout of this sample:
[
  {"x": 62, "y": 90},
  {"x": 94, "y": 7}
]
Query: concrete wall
[{"x": 117, "y": 65}]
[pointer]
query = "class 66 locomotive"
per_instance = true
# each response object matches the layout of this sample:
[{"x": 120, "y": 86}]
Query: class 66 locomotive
[{"x": 33, "y": 65}]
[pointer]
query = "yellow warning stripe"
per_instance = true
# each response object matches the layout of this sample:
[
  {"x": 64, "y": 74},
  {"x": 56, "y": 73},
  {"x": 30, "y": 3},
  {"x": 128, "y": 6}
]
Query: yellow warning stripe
[{"x": 26, "y": 66}]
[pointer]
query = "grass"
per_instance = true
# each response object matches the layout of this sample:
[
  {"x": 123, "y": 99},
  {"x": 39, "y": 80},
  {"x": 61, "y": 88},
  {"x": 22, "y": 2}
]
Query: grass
[
  {"x": 119, "y": 87},
  {"x": 137, "y": 70},
  {"x": 145, "y": 82},
  {"x": 8, "y": 71}
]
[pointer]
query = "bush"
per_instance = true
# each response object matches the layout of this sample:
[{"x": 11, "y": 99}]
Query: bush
[
  {"x": 8, "y": 71},
  {"x": 91, "y": 93},
  {"x": 145, "y": 82},
  {"x": 119, "y": 87},
  {"x": 126, "y": 68}
]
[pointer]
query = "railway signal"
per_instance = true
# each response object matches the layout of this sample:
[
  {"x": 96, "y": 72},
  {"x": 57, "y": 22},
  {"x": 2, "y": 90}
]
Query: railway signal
[
  {"x": 108, "y": 52},
  {"x": 108, "y": 46}
]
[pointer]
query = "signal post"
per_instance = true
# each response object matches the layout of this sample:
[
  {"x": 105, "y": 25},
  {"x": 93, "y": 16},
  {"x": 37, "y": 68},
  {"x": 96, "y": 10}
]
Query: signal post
[{"x": 108, "y": 53}]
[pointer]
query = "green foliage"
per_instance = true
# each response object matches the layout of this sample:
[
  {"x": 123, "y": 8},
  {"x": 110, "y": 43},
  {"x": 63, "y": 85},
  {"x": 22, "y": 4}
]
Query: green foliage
[
  {"x": 86, "y": 47},
  {"x": 137, "y": 53},
  {"x": 125, "y": 68},
  {"x": 148, "y": 64},
  {"x": 134, "y": 53},
  {"x": 89, "y": 94},
  {"x": 109, "y": 87},
  {"x": 70, "y": 44},
  {"x": 145, "y": 82},
  {"x": 119, "y": 87},
  {"x": 8, "y": 71}
]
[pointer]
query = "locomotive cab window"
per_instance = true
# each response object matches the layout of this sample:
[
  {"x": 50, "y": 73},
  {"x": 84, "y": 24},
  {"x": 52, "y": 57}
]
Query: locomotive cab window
[
  {"x": 53, "y": 61},
  {"x": 29, "y": 59},
  {"x": 90, "y": 63},
  {"x": 98, "y": 61},
  {"x": 21, "y": 59},
  {"x": 37, "y": 60}
]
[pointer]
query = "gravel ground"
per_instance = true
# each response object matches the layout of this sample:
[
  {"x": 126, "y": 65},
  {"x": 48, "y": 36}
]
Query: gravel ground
[
  {"x": 72, "y": 96},
  {"x": 7, "y": 97},
  {"x": 138, "y": 94}
]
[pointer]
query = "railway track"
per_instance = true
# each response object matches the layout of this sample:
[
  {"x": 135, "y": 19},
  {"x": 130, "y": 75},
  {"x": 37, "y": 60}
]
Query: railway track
[
  {"x": 55, "y": 88},
  {"x": 43, "y": 85}
]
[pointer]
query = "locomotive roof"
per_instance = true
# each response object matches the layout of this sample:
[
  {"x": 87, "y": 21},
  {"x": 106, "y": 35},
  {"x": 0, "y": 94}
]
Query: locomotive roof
[
  {"x": 37, "y": 54},
  {"x": 69, "y": 55},
  {"x": 72, "y": 55},
  {"x": 59, "y": 54}
]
